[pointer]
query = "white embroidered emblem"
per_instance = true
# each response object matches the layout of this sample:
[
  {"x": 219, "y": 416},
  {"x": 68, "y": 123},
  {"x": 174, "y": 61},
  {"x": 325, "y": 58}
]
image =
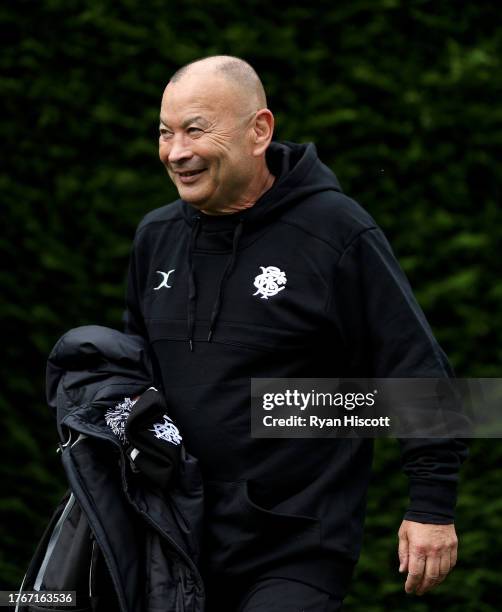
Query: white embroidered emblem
[
  {"x": 116, "y": 417},
  {"x": 269, "y": 282},
  {"x": 167, "y": 431},
  {"x": 163, "y": 282}
]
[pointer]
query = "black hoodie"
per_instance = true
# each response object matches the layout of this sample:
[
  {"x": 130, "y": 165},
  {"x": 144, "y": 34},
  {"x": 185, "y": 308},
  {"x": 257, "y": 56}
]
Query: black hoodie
[{"x": 340, "y": 307}]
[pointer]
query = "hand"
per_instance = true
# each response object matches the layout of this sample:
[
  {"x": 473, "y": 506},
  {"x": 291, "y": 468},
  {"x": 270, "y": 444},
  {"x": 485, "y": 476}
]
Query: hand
[{"x": 427, "y": 552}]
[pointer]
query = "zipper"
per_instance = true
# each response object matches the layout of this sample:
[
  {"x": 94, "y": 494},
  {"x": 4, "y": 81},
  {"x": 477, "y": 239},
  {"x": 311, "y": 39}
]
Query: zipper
[
  {"x": 179, "y": 550},
  {"x": 152, "y": 523},
  {"x": 180, "y": 604},
  {"x": 92, "y": 566}
]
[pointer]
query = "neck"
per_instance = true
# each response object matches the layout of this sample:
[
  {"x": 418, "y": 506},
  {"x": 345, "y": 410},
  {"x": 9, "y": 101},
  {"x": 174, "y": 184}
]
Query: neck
[{"x": 263, "y": 183}]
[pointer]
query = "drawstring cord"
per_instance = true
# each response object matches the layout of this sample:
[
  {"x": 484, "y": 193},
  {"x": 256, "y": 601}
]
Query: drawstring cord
[
  {"x": 192, "y": 288},
  {"x": 224, "y": 277}
]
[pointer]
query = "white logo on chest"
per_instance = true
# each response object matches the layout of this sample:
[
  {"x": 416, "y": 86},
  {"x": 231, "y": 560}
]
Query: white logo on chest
[
  {"x": 269, "y": 282},
  {"x": 163, "y": 282}
]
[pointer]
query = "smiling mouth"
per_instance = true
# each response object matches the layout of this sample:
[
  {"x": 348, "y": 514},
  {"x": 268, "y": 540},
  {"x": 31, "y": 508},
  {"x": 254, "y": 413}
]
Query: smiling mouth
[{"x": 190, "y": 173}]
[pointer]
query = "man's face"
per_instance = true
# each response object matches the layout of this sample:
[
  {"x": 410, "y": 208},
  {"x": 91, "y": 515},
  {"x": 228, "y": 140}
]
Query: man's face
[{"x": 205, "y": 141}]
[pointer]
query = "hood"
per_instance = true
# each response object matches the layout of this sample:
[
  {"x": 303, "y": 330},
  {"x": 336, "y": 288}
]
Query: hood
[{"x": 299, "y": 174}]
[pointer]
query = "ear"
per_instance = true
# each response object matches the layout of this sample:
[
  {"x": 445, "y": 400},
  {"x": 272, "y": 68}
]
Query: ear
[{"x": 262, "y": 131}]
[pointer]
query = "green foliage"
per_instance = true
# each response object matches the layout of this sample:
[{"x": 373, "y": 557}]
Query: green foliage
[{"x": 401, "y": 100}]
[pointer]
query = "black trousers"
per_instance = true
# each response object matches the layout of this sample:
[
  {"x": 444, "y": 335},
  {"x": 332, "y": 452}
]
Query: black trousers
[{"x": 268, "y": 595}]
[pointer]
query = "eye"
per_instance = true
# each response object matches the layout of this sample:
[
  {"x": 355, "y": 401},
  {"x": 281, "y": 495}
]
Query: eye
[
  {"x": 194, "y": 131},
  {"x": 165, "y": 133}
]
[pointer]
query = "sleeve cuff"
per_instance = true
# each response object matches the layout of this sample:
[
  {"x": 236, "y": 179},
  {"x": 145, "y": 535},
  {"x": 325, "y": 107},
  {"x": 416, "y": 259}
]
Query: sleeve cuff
[{"x": 432, "y": 501}]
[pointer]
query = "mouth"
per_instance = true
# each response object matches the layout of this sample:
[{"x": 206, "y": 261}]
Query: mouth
[{"x": 189, "y": 176}]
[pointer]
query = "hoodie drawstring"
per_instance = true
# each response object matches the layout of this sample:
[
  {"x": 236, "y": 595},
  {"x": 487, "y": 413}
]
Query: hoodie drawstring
[
  {"x": 224, "y": 277},
  {"x": 192, "y": 289}
]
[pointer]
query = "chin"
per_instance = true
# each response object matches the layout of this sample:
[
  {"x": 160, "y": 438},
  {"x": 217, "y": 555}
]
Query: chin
[
  {"x": 195, "y": 202},
  {"x": 190, "y": 197}
]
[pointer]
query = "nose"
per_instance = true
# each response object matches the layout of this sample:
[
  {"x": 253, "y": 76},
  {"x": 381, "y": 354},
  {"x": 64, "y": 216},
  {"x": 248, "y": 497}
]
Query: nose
[{"x": 179, "y": 150}]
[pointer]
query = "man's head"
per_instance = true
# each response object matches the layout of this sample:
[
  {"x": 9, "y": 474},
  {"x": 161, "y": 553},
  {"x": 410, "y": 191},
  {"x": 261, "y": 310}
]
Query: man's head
[{"x": 214, "y": 131}]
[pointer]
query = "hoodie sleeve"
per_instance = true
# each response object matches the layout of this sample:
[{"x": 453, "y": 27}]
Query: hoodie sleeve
[
  {"x": 386, "y": 335},
  {"x": 132, "y": 318}
]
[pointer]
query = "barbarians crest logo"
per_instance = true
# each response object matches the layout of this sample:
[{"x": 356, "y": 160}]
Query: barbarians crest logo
[
  {"x": 167, "y": 431},
  {"x": 269, "y": 282}
]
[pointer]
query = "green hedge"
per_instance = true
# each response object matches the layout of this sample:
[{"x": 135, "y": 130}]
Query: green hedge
[{"x": 401, "y": 99}]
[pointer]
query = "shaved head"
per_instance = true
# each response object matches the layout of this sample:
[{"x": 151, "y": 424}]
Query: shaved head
[{"x": 239, "y": 74}]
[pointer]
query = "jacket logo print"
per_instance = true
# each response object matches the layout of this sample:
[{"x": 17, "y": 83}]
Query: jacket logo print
[
  {"x": 269, "y": 282},
  {"x": 167, "y": 431},
  {"x": 163, "y": 282}
]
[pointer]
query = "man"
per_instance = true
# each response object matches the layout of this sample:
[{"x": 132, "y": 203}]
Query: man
[{"x": 264, "y": 269}]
